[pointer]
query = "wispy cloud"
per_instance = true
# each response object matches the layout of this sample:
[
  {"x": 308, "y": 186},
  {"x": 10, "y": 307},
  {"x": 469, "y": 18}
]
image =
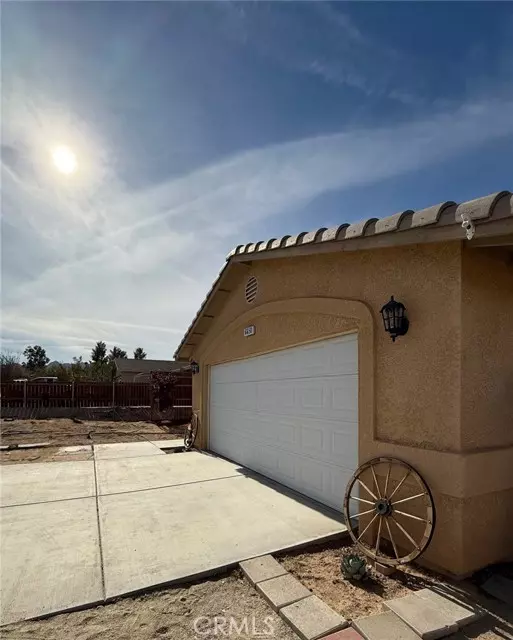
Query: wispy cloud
[
  {"x": 131, "y": 266},
  {"x": 323, "y": 41}
]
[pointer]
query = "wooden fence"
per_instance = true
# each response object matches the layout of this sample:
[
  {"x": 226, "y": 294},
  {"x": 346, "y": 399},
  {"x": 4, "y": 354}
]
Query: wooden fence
[{"x": 90, "y": 394}]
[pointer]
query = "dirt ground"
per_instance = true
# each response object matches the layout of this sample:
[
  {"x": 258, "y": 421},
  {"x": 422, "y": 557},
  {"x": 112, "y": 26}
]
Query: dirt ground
[
  {"x": 63, "y": 432},
  {"x": 170, "y": 613},
  {"x": 318, "y": 568}
]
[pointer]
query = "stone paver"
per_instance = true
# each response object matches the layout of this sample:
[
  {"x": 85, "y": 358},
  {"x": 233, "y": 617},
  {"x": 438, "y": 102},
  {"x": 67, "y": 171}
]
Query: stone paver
[
  {"x": 311, "y": 618},
  {"x": 282, "y": 591},
  {"x": 426, "y": 619},
  {"x": 345, "y": 634},
  {"x": 457, "y": 611},
  {"x": 262, "y": 568},
  {"x": 500, "y": 588},
  {"x": 126, "y": 450},
  {"x": 384, "y": 626},
  {"x": 81, "y": 448}
]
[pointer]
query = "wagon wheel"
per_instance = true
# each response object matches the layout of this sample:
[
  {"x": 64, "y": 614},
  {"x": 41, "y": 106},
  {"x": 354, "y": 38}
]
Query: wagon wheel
[
  {"x": 191, "y": 431},
  {"x": 397, "y": 512}
]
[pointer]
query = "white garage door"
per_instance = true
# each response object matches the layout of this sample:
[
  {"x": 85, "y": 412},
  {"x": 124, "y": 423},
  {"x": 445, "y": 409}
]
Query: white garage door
[{"x": 291, "y": 415}]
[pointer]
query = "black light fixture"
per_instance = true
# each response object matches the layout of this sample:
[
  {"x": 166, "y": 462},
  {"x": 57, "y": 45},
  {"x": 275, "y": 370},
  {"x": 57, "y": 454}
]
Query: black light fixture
[
  {"x": 194, "y": 367},
  {"x": 394, "y": 318}
]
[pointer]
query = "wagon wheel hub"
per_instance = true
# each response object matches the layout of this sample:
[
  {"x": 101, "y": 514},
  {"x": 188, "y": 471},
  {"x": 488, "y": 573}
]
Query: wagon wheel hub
[{"x": 383, "y": 507}]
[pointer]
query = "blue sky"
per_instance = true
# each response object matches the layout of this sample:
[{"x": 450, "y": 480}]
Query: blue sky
[{"x": 199, "y": 126}]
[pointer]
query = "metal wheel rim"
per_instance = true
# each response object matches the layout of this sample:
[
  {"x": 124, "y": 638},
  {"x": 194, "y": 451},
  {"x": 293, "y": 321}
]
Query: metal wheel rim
[
  {"x": 191, "y": 432},
  {"x": 382, "y": 508}
]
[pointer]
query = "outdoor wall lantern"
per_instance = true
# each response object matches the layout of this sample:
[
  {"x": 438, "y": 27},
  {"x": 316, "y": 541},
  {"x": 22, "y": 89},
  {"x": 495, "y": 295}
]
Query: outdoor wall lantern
[
  {"x": 394, "y": 318},
  {"x": 194, "y": 367}
]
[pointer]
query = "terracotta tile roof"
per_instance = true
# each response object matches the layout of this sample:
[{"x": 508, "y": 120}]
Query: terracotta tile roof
[
  {"x": 439, "y": 222},
  {"x": 479, "y": 209}
]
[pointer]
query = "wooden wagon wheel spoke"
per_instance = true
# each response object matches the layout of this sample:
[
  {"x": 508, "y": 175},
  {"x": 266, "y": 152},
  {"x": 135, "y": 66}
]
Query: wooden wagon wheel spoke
[
  {"x": 367, "y": 527},
  {"x": 401, "y": 528},
  {"x": 376, "y": 537},
  {"x": 399, "y": 485},
  {"x": 419, "y": 495},
  {"x": 363, "y": 513},
  {"x": 367, "y": 488},
  {"x": 387, "y": 479},
  {"x": 409, "y": 515},
  {"x": 392, "y": 540},
  {"x": 360, "y": 499},
  {"x": 376, "y": 482}
]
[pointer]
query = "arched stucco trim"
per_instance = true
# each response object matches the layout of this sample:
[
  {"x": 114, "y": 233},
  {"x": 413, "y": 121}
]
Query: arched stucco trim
[{"x": 352, "y": 309}]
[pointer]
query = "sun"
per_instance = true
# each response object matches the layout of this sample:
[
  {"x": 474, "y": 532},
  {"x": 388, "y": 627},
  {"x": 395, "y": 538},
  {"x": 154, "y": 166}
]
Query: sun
[{"x": 64, "y": 159}]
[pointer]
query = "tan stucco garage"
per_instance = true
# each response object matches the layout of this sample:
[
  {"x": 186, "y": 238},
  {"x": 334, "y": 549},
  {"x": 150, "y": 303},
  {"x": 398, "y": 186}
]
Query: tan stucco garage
[{"x": 438, "y": 398}]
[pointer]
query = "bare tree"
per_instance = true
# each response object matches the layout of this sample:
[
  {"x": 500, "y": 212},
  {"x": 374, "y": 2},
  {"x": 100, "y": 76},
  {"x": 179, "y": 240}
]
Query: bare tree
[{"x": 10, "y": 366}]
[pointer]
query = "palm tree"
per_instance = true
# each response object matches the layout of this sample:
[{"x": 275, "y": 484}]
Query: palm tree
[{"x": 139, "y": 353}]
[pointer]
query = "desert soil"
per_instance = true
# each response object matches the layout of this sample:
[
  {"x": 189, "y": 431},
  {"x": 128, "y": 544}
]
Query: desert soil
[
  {"x": 318, "y": 568},
  {"x": 170, "y": 613},
  {"x": 63, "y": 432}
]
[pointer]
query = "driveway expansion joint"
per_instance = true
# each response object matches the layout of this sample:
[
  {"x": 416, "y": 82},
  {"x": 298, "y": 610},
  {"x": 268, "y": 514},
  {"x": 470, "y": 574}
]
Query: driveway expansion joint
[{"x": 98, "y": 519}]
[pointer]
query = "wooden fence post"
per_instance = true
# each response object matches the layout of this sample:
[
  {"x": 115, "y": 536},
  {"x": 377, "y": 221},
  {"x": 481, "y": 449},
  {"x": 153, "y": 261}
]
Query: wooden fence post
[
  {"x": 73, "y": 393},
  {"x": 113, "y": 393},
  {"x": 24, "y": 394}
]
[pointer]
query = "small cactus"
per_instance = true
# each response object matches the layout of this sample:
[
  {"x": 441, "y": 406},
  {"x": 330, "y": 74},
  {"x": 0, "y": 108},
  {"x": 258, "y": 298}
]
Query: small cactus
[{"x": 353, "y": 567}]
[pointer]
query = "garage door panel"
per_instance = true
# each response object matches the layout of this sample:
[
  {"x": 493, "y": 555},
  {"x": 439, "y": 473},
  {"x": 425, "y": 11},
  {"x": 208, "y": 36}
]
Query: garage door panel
[
  {"x": 344, "y": 395},
  {"x": 311, "y": 439},
  {"x": 275, "y": 396},
  {"x": 291, "y": 415},
  {"x": 304, "y": 436},
  {"x": 324, "y": 482},
  {"x": 344, "y": 444},
  {"x": 313, "y": 475},
  {"x": 308, "y": 397},
  {"x": 286, "y": 466},
  {"x": 338, "y": 356},
  {"x": 245, "y": 397}
]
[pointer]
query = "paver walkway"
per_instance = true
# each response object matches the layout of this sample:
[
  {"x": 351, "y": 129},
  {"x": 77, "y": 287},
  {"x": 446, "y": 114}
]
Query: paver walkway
[
  {"x": 422, "y": 614},
  {"x": 308, "y": 615}
]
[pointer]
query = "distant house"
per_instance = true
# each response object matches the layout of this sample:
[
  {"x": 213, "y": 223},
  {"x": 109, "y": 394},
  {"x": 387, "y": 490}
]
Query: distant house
[{"x": 131, "y": 370}]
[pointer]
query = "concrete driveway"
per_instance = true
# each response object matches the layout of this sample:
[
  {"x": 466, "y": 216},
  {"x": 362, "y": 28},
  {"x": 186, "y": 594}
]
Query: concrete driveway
[{"x": 79, "y": 533}]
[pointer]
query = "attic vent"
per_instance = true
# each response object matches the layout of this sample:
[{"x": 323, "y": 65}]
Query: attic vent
[{"x": 251, "y": 289}]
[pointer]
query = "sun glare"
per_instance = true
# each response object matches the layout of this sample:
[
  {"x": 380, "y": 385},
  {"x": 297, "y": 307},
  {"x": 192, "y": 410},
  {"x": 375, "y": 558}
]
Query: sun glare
[{"x": 64, "y": 160}]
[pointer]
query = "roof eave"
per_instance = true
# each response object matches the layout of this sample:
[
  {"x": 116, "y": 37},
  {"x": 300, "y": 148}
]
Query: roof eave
[{"x": 491, "y": 215}]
